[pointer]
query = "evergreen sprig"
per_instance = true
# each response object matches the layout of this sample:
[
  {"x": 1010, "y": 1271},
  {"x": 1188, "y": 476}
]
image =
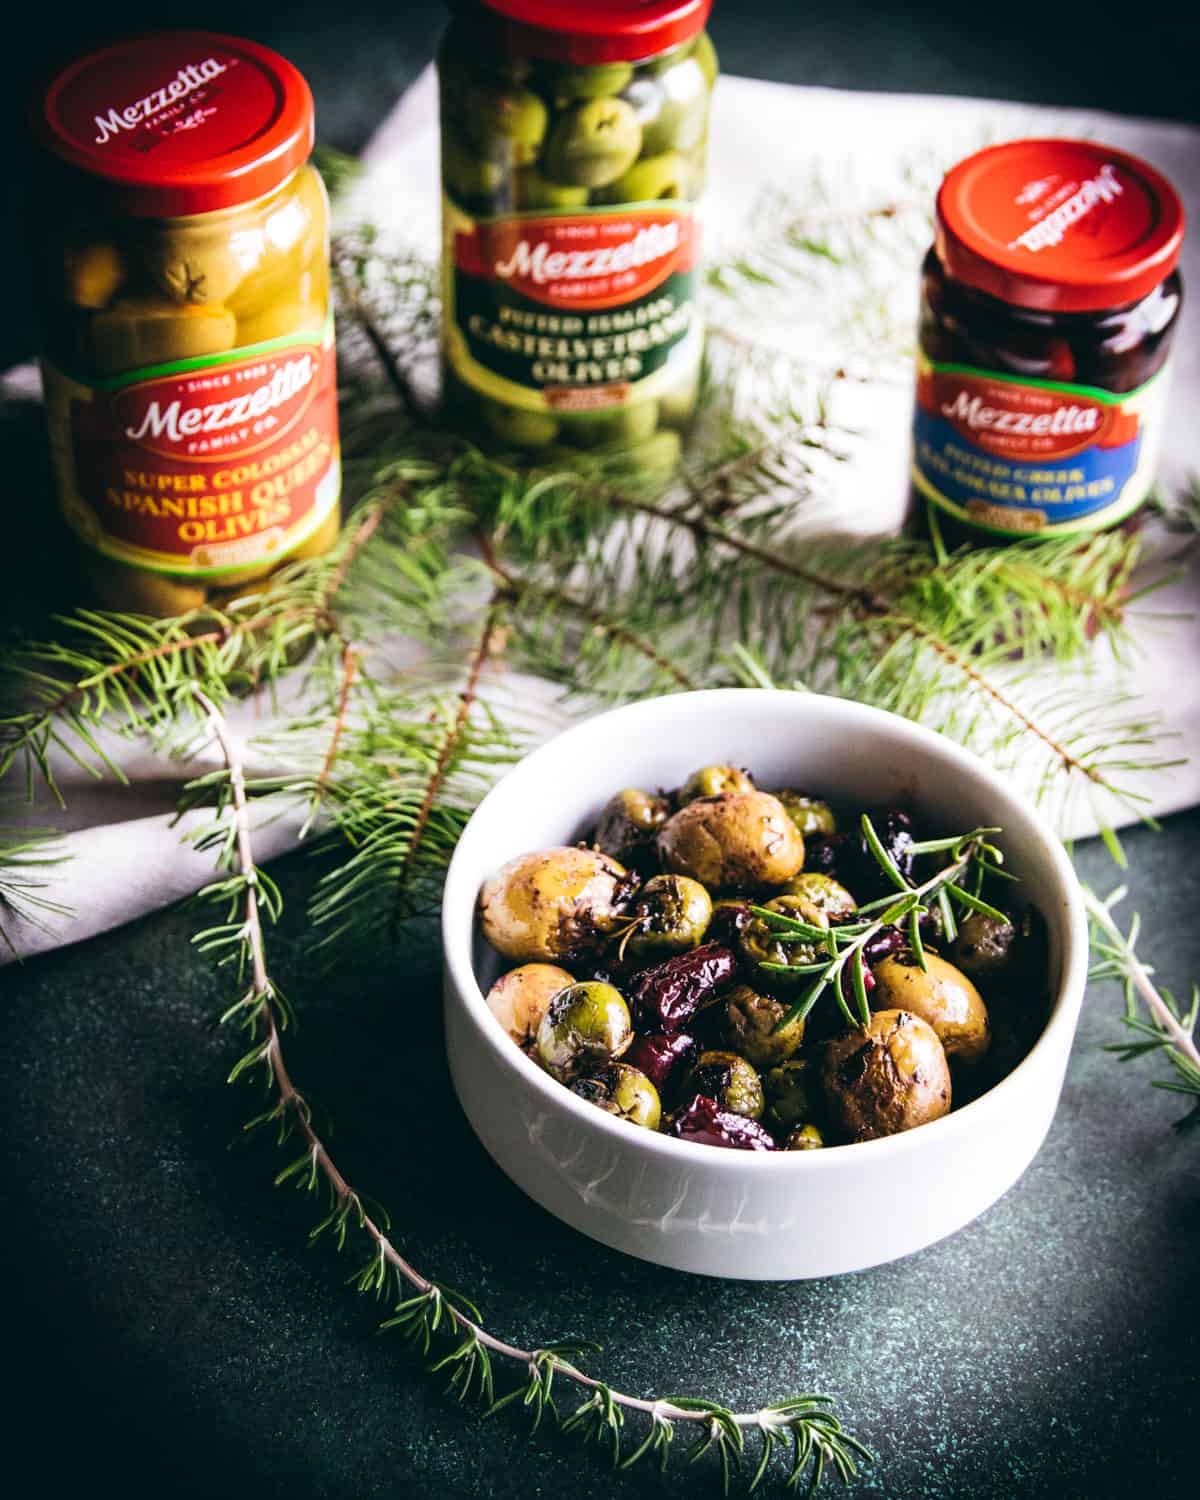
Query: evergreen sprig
[
  {"x": 1154, "y": 1018},
  {"x": 26, "y": 857},
  {"x": 442, "y": 1325}
]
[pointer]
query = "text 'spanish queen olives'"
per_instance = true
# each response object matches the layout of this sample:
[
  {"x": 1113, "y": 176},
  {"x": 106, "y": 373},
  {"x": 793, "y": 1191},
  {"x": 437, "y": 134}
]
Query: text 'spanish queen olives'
[
  {"x": 1048, "y": 303},
  {"x": 574, "y": 140},
  {"x": 183, "y": 283}
]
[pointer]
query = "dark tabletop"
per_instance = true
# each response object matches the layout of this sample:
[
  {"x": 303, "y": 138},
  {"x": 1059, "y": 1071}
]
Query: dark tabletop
[{"x": 167, "y": 1330}]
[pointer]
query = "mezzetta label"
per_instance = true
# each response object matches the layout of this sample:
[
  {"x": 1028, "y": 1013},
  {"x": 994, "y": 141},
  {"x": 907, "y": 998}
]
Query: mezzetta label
[
  {"x": 1024, "y": 457},
  {"x": 577, "y": 309},
  {"x": 202, "y": 471}
]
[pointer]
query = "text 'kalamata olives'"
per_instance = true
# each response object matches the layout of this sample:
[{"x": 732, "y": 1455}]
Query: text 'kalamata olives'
[{"x": 668, "y": 995}]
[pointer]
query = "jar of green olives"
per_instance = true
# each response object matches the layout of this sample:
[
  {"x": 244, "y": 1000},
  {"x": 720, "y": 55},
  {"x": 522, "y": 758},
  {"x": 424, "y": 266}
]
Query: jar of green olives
[
  {"x": 574, "y": 142},
  {"x": 182, "y": 276}
]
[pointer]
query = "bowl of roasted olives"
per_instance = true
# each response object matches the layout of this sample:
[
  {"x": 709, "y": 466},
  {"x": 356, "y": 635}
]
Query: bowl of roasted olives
[{"x": 760, "y": 984}]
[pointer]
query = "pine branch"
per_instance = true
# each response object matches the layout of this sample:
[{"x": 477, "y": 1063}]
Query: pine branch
[
  {"x": 26, "y": 854},
  {"x": 437, "y": 1320}
]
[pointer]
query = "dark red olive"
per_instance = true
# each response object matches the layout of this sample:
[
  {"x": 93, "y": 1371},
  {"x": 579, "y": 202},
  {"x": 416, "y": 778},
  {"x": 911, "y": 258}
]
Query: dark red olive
[
  {"x": 705, "y": 1121},
  {"x": 659, "y": 1055},
  {"x": 887, "y": 940},
  {"x": 667, "y": 995},
  {"x": 830, "y": 854},
  {"x": 729, "y": 921}
]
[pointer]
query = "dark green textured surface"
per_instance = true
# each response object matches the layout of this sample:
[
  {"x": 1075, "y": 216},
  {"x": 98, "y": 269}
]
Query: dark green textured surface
[{"x": 168, "y": 1304}]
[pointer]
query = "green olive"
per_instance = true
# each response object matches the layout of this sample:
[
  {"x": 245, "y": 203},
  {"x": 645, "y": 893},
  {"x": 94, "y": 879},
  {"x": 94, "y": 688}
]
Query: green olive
[
  {"x": 677, "y": 406},
  {"x": 520, "y": 998},
  {"x": 618, "y": 425},
  {"x": 822, "y": 892},
  {"x": 584, "y": 1027},
  {"x": 751, "y": 1019},
  {"x": 531, "y": 189},
  {"x": 714, "y": 781},
  {"x": 652, "y": 179},
  {"x": 730, "y": 1080},
  {"x": 194, "y": 265},
  {"x": 137, "y": 332},
  {"x": 552, "y": 904},
  {"x": 628, "y": 823},
  {"x": 760, "y": 944},
  {"x": 811, "y": 816},
  {"x": 680, "y": 121},
  {"x": 622, "y": 1091},
  {"x": 468, "y": 176},
  {"x": 593, "y": 143},
  {"x": 672, "y": 915},
  {"x": 804, "y": 1138},
  {"x": 597, "y": 81},
  {"x": 791, "y": 1093},
  {"x": 94, "y": 274},
  {"x": 524, "y": 429},
  {"x": 738, "y": 841},
  {"x": 888, "y": 1077},
  {"x": 506, "y": 125},
  {"x": 278, "y": 321},
  {"x": 941, "y": 995}
]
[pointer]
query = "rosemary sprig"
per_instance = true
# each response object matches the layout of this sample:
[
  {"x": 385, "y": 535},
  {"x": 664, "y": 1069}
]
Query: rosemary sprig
[
  {"x": 443, "y": 1325},
  {"x": 968, "y": 855},
  {"x": 1168, "y": 1028}
]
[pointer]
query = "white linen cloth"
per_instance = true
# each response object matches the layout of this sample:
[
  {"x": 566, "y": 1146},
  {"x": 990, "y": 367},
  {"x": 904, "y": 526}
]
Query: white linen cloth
[{"x": 126, "y": 852}]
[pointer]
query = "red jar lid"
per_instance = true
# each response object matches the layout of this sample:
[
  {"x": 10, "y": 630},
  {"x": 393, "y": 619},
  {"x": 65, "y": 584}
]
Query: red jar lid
[
  {"x": 596, "y": 31},
  {"x": 179, "y": 122},
  {"x": 1058, "y": 225}
]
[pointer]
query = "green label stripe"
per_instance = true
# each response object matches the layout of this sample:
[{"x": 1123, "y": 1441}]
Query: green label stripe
[
  {"x": 1092, "y": 392},
  {"x": 205, "y": 361}
]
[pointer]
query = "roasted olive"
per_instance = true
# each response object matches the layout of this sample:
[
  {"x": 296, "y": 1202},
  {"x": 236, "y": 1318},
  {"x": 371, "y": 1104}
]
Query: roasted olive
[
  {"x": 823, "y": 893},
  {"x": 762, "y": 944},
  {"x": 738, "y": 841},
  {"x": 730, "y": 1080},
  {"x": 804, "y": 1138},
  {"x": 671, "y": 914},
  {"x": 593, "y": 143},
  {"x": 584, "y": 1027},
  {"x": 941, "y": 995},
  {"x": 667, "y": 995},
  {"x": 704, "y": 1121},
  {"x": 751, "y": 1019},
  {"x": 791, "y": 1093},
  {"x": 988, "y": 949},
  {"x": 811, "y": 816},
  {"x": 555, "y": 903},
  {"x": 731, "y": 916},
  {"x": 713, "y": 781},
  {"x": 622, "y": 1091},
  {"x": 519, "y": 999},
  {"x": 889, "y": 1077},
  {"x": 628, "y": 823}
]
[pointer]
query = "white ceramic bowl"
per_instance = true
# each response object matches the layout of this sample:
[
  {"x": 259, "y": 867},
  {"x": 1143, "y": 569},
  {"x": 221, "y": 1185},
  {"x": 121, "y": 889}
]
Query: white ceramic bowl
[{"x": 759, "y": 1216}]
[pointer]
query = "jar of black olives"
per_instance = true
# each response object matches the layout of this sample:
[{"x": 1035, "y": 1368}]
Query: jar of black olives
[
  {"x": 1048, "y": 303},
  {"x": 574, "y": 141}
]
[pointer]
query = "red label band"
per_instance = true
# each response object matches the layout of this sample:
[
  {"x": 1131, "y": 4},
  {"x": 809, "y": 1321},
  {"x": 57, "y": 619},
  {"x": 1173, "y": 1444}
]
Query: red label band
[
  {"x": 1023, "y": 422},
  {"x": 592, "y": 262}
]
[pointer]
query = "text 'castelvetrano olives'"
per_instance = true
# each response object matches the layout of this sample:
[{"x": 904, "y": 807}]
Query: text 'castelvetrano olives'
[{"x": 674, "y": 969}]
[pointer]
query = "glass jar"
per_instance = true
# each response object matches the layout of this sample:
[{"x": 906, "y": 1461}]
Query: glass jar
[
  {"x": 574, "y": 142},
  {"x": 181, "y": 254},
  {"x": 1048, "y": 304}
]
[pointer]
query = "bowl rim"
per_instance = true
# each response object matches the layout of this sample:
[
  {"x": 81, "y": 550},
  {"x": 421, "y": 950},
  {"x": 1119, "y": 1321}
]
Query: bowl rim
[{"x": 467, "y": 993}]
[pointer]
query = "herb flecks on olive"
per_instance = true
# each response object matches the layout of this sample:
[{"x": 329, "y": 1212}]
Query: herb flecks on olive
[
  {"x": 737, "y": 841},
  {"x": 941, "y": 995},
  {"x": 520, "y": 998},
  {"x": 557, "y": 903},
  {"x": 811, "y": 816},
  {"x": 583, "y": 1028},
  {"x": 623, "y": 1091},
  {"x": 889, "y": 1077},
  {"x": 740, "y": 1021}
]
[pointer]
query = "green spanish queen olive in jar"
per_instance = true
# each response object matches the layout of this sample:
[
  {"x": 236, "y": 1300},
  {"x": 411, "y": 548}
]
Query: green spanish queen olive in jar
[{"x": 574, "y": 141}]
